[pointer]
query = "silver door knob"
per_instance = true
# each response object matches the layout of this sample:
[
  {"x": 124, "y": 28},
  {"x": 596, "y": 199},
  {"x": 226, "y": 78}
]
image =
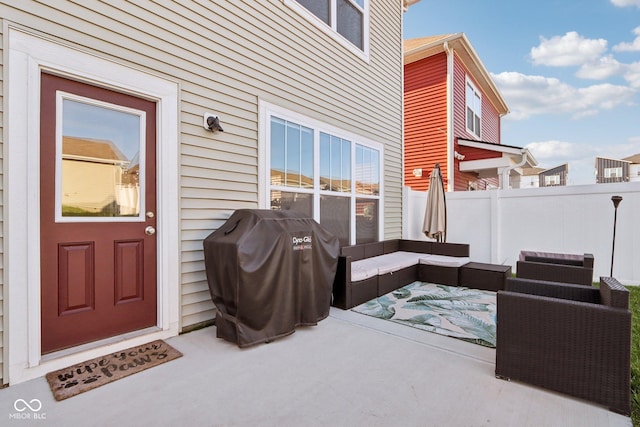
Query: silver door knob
[{"x": 149, "y": 231}]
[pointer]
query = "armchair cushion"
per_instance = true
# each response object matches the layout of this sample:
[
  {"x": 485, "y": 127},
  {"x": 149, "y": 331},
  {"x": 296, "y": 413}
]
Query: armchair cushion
[
  {"x": 568, "y": 291},
  {"x": 585, "y": 260},
  {"x": 554, "y": 272}
]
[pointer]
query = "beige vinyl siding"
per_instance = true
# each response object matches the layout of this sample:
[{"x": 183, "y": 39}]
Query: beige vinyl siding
[
  {"x": 228, "y": 55},
  {"x": 3, "y": 377}
]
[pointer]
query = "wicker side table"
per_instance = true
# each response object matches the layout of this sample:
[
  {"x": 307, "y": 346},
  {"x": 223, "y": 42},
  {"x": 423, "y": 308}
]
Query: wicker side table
[{"x": 489, "y": 277}]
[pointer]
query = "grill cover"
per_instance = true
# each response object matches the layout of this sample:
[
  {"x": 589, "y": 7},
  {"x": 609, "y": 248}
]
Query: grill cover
[{"x": 268, "y": 272}]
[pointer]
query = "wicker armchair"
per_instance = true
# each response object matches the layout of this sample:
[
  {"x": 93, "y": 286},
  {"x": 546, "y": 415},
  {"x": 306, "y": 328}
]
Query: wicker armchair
[
  {"x": 574, "y": 340},
  {"x": 554, "y": 267}
]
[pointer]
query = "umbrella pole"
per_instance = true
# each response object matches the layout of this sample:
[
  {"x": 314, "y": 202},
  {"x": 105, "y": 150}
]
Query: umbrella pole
[{"x": 444, "y": 194}]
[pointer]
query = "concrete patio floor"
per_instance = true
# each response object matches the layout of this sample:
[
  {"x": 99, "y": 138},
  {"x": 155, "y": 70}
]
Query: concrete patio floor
[{"x": 350, "y": 370}]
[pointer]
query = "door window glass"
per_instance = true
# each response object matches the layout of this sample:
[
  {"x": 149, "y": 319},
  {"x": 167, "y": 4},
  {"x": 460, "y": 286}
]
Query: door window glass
[{"x": 100, "y": 160}]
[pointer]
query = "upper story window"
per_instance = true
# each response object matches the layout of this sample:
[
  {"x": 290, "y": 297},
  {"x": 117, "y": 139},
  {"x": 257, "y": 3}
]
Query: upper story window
[
  {"x": 348, "y": 18},
  {"x": 474, "y": 109}
]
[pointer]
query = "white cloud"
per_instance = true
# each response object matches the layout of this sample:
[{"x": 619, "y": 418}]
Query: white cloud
[
  {"x": 569, "y": 50},
  {"x": 600, "y": 69},
  {"x": 589, "y": 55},
  {"x": 632, "y": 74},
  {"x": 634, "y": 46},
  {"x": 623, "y": 3},
  {"x": 554, "y": 151},
  {"x": 528, "y": 96}
]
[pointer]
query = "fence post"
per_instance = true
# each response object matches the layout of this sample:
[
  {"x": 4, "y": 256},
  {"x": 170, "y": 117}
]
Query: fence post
[{"x": 496, "y": 229}]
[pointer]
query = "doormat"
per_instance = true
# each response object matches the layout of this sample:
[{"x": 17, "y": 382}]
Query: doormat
[
  {"x": 458, "y": 312},
  {"x": 93, "y": 373}
]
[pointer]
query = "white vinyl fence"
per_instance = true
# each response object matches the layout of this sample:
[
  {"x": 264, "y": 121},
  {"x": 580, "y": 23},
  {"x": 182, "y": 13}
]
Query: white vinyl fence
[{"x": 498, "y": 224}]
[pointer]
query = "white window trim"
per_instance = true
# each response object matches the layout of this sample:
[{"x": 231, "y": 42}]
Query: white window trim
[
  {"x": 552, "y": 180},
  {"x": 267, "y": 110},
  {"x": 469, "y": 82},
  {"x": 616, "y": 169},
  {"x": 25, "y": 56},
  {"x": 332, "y": 31}
]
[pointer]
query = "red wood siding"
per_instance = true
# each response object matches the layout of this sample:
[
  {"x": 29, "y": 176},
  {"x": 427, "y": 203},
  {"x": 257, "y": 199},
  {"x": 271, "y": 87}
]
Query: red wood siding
[
  {"x": 425, "y": 140},
  {"x": 490, "y": 127}
]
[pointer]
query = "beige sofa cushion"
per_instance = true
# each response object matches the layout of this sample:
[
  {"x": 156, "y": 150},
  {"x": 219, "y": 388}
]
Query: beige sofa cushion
[
  {"x": 395, "y": 261},
  {"x": 444, "y": 261}
]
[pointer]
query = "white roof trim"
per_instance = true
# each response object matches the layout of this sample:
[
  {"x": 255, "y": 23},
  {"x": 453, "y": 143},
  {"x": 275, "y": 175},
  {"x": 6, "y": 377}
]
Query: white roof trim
[{"x": 494, "y": 163}]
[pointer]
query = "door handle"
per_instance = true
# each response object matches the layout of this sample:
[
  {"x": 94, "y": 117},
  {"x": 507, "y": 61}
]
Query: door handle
[{"x": 149, "y": 231}]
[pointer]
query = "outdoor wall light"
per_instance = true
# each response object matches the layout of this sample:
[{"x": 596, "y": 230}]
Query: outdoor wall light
[
  {"x": 616, "y": 201},
  {"x": 417, "y": 172},
  {"x": 211, "y": 123}
]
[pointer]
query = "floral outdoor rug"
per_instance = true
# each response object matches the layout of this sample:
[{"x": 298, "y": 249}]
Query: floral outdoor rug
[{"x": 463, "y": 313}]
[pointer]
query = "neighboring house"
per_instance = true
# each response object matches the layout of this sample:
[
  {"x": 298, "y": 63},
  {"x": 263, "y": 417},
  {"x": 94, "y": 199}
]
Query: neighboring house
[
  {"x": 554, "y": 176},
  {"x": 310, "y": 100},
  {"x": 616, "y": 170},
  {"x": 113, "y": 189},
  {"x": 452, "y": 117},
  {"x": 528, "y": 179},
  {"x": 634, "y": 167},
  {"x": 540, "y": 177}
]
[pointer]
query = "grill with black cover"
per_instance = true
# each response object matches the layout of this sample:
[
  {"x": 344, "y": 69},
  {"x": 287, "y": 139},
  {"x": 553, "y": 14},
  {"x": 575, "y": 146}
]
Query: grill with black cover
[{"x": 268, "y": 272}]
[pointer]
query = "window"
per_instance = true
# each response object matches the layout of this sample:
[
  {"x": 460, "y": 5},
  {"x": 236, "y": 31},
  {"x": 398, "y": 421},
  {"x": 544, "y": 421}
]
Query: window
[
  {"x": 551, "y": 180},
  {"x": 348, "y": 18},
  {"x": 474, "y": 109},
  {"x": 99, "y": 169},
  {"x": 325, "y": 173},
  {"x": 613, "y": 172}
]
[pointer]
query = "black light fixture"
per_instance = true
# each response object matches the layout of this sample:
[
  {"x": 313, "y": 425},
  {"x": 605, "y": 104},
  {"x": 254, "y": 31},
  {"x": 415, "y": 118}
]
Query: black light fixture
[
  {"x": 212, "y": 123},
  {"x": 616, "y": 201}
]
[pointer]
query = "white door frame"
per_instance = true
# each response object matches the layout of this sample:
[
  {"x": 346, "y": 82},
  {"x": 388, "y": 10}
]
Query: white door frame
[{"x": 27, "y": 55}]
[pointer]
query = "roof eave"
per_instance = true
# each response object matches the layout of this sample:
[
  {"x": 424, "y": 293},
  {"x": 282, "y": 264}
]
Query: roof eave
[
  {"x": 460, "y": 43},
  {"x": 407, "y": 3}
]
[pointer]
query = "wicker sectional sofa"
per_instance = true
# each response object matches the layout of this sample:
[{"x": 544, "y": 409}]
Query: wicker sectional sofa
[{"x": 369, "y": 270}]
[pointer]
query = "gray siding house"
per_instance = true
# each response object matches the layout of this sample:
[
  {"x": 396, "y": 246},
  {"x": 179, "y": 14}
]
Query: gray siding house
[
  {"x": 554, "y": 176},
  {"x": 618, "y": 170},
  {"x": 311, "y": 110}
]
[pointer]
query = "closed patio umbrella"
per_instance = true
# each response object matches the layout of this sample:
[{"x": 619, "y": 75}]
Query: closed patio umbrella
[{"x": 435, "y": 217}]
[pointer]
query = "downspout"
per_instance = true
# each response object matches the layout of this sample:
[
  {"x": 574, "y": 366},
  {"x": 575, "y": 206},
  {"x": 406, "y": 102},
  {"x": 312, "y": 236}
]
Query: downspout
[
  {"x": 450, "y": 171},
  {"x": 506, "y": 173}
]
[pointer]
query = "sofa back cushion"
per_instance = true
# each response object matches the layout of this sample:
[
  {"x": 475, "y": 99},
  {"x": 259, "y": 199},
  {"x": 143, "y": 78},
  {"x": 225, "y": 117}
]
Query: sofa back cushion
[
  {"x": 356, "y": 252},
  {"x": 391, "y": 246},
  {"x": 613, "y": 294},
  {"x": 450, "y": 249},
  {"x": 373, "y": 249},
  {"x": 418, "y": 246}
]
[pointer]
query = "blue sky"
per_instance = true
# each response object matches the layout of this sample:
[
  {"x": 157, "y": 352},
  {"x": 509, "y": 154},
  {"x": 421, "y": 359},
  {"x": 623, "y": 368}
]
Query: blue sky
[
  {"x": 568, "y": 70},
  {"x": 92, "y": 121}
]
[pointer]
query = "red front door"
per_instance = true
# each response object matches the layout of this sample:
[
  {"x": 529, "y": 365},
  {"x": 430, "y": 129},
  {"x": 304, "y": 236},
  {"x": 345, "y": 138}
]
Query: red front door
[{"x": 97, "y": 213}]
